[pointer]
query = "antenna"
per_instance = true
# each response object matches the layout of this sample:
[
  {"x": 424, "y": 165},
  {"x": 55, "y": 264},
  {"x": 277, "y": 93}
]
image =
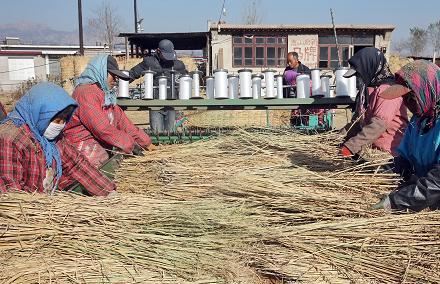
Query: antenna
[
  {"x": 336, "y": 37},
  {"x": 222, "y": 12}
]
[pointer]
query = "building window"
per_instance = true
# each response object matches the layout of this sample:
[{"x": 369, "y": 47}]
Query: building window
[
  {"x": 21, "y": 68},
  {"x": 348, "y": 45},
  {"x": 259, "y": 51}
]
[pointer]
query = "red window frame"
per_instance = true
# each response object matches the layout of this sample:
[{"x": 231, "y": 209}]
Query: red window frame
[{"x": 280, "y": 44}]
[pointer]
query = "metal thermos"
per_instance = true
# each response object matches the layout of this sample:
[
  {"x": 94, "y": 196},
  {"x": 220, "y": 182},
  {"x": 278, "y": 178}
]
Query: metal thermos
[
  {"x": 173, "y": 94},
  {"x": 162, "y": 87},
  {"x": 233, "y": 86},
  {"x": 195, "y": 84},
  {"x": 221, "y": 84},
  {"x": 209, "y": 83},
  {"x": 148, "y": 85},
  {"x": 325, "y": 85},
  {"x": 245, "y": 76},
  {"x": 270, "y": 84},
  {"x": 342, "y": 88},
  {"x": 279, "y": 80},
  {"x": 123, "y": 92},
  {"x": 256, "y": 86},
  {"x": 316, "y": 82},
  {"x": 302, "y": 86},
  {"x": 185, "y": 85}
]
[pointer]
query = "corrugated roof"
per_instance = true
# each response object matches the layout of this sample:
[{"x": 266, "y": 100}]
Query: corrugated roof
[{"x": 300, "y": 27}]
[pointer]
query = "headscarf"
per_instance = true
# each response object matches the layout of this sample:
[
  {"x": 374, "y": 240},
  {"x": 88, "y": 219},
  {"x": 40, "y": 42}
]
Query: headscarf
[
  {"x": 372, "y": 67},
  {"x": 423, "y": 78},
  {"x": 36, "y": 109},
  {"x": 96, "y": 72}
]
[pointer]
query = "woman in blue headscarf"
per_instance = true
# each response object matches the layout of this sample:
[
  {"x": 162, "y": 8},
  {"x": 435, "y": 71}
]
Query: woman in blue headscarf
[
  {"x": 33, "y": 158},
  {"x": 99, "y": 124}
]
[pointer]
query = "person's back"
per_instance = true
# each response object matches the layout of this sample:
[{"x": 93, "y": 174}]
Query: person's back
[{"x": 393, "y": 112}]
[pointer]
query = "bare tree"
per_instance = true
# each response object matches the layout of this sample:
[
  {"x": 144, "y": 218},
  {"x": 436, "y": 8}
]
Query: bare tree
[
  {"x": 434, "y": 36},
  {"x": 105, "y": 25},
  {"x": 417, "y": 40},
  {"x": 401, "y": 46},
  {"x": 252, "y": 13}
]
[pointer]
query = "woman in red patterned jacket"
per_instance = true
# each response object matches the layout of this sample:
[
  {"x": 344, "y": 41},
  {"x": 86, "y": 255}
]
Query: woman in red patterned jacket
[
  {"x": 34, "y": 157},
  {"x": 99, "y": 124}
]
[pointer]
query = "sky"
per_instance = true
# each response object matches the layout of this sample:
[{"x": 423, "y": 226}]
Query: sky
[{"x": 193, "y": 15}]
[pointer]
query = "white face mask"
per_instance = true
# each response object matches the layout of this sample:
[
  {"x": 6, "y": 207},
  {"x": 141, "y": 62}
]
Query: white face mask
[{"x": 53, "y": 130}]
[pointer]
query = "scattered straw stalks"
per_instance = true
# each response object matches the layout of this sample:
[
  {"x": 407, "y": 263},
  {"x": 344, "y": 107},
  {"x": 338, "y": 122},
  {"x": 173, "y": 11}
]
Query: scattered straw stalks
[{"x": 239, "y": 208}]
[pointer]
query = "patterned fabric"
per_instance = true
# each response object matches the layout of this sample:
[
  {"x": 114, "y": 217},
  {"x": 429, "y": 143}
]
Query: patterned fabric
[
  {"x": 96, "y": 72},
  {"x": 36, "y": 109},
  {"x": 23, "y": 167},
  {"x": 423, "y": 78},
  {"x": 96, "y": 127},
  {"x": 2, "y": 112}
]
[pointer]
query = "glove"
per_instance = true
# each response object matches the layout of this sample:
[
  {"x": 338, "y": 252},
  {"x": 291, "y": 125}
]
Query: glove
[
  {"x": 151, "y": 147},
  {"x": 384, "y": 203},
  {"x": 345, "y": 152},
  {"x": 113, "y": 194},
  {"x": 138, "y": 150}
]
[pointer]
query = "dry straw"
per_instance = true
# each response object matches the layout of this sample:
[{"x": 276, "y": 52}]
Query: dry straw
[{"x": 240, "y": 208}]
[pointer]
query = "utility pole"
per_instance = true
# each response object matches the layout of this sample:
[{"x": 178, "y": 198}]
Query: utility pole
[
  {"x": 80, "y": 27},
  {"x": 336, "y": 38},
  {"x": 135, "y": 16}
]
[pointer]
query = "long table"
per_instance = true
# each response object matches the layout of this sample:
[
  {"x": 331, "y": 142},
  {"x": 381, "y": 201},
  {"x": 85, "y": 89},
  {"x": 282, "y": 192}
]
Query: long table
[{"x": 237, "y": 104}]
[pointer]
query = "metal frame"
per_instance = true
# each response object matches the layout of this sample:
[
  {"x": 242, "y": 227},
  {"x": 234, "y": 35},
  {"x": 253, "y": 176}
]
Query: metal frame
[{"x": 237, "y": 104}]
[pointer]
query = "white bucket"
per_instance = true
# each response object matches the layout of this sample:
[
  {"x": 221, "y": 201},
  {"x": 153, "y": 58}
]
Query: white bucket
[
  {"x": 221, "y": 84},
  {"x": 123, "y": 92},
  {"x": 303, "y": 86},
  {"x": 325, "y": 85},
  {"x": 316, "y": 82},
  {"x": 209, "y": 87},
  {"x": 270, "y": 84},
  {"x": 163, "y": 87},
  {"x": 245, "y": 76},
  {"x": 279, "y": 80},
  {"x": 342, "y": 83},
  {"x": 185, "y": 86},
  {"x": 148, "y": 85}
]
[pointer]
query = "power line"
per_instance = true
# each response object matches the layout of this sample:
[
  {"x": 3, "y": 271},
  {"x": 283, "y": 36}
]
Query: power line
[{"x": 25, "y": 68}]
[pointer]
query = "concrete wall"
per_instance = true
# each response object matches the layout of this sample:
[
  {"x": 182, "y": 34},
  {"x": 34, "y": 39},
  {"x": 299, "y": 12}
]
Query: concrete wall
[
  {"x": 383, "y": 41},
  {"x": 10, "y": 85},
  {"x": 307, "y": 48},
  {"x": 305, "y": 44}
]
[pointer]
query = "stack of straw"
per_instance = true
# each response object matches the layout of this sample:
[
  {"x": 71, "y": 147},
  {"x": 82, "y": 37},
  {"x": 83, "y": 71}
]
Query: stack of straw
[{"x": 240, "y": 208}]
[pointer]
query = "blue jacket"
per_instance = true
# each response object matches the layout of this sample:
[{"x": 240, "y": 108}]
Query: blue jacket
[
  {"x": 421, "y": 156},
  {"x": 421, "y": 150}
]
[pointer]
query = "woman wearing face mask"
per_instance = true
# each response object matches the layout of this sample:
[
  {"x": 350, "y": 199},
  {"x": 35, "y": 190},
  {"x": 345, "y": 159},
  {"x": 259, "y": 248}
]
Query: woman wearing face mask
[
  {"x": 99, "y": 124},
  {"x": 419, "y": 153},
  {"x": 32, "y": 157},
  {"x": 379, "y": 122}
]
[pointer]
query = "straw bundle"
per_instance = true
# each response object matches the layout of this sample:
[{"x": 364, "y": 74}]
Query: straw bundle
[
  {"x": 67, "y": 73},
  {"x": 396, "y": 62},
  {"x": 238, "y": 119}
]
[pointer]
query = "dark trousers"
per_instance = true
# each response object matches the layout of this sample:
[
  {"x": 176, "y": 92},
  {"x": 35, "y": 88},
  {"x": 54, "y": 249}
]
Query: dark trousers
[{"x": 162, "y": 120}]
